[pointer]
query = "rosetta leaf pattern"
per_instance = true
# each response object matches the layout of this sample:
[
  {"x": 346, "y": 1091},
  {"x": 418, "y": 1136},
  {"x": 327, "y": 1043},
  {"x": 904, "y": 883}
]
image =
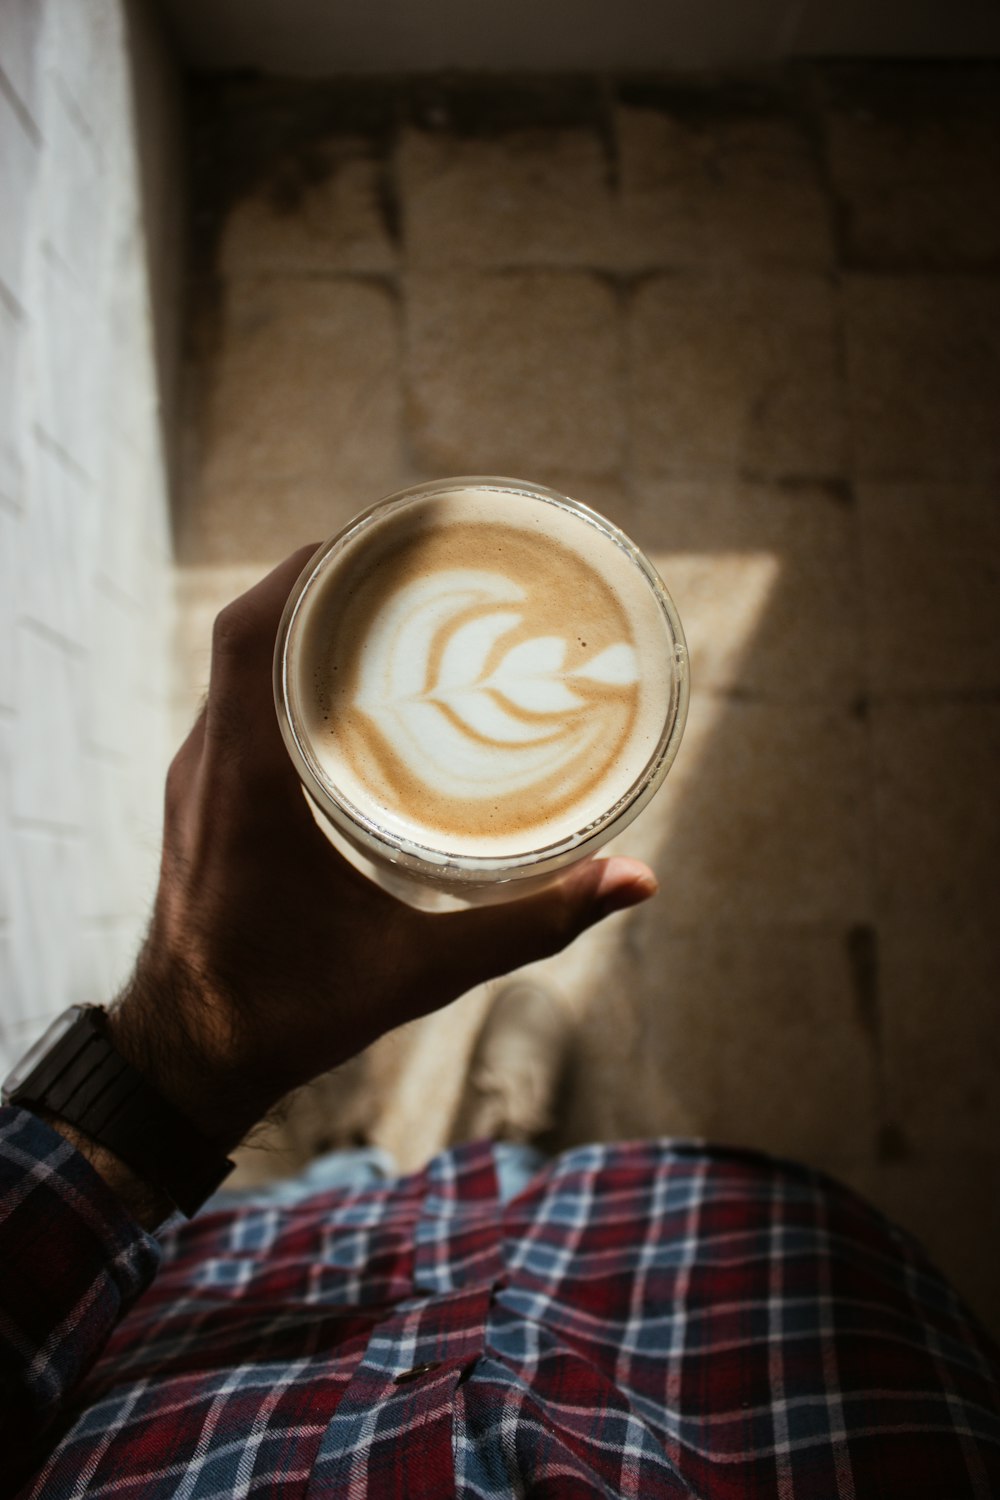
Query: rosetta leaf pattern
[{"x": 472, "y": 729}]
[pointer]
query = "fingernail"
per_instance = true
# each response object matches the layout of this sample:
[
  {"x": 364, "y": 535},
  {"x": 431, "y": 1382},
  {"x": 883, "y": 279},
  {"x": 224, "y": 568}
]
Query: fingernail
[
  {"x": 633, "y": 894},
  {"x": 643, "y": 888}
]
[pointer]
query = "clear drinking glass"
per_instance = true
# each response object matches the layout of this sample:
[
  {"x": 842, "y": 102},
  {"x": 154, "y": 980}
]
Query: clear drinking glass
[{"x": 424, "y": 871}]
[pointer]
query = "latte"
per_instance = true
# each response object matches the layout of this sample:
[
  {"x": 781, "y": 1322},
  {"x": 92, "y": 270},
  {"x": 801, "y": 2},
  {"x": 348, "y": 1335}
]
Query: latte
[{"x": 482, "y": 673}]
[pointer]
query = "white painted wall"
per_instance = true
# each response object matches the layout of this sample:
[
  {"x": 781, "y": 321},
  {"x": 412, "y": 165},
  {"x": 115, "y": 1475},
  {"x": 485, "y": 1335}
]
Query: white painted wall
[{"x": 85, "y": 601}]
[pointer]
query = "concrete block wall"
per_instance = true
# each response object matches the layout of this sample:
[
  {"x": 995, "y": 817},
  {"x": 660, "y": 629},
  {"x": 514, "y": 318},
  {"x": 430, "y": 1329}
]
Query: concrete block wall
[
  {"x": 760, "y": 328},
  {"x": 85, "y": 584}
]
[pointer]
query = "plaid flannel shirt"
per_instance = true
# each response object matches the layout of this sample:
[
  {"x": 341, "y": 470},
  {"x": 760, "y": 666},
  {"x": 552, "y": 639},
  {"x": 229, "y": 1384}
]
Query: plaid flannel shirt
[{"x": 648, "y": 1319}]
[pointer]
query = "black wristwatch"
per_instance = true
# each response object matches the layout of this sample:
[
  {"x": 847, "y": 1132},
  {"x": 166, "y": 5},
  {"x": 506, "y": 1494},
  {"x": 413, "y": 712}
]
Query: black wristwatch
[{"x": 74, "y": 1073}]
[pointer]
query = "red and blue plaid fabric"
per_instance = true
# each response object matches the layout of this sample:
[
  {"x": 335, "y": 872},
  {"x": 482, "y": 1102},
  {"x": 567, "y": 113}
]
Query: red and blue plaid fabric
[{"x": 649, "y": 1319}]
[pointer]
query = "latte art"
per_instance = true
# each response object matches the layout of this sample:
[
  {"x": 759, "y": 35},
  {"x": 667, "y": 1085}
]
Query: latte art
[
  {"x": 488, "y": 674},
  {"x": 475, "y": 708}
]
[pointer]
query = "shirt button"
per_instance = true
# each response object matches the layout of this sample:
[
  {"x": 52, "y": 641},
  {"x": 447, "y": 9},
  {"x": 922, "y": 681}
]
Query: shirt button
[{"x": 416, "y": 1372}]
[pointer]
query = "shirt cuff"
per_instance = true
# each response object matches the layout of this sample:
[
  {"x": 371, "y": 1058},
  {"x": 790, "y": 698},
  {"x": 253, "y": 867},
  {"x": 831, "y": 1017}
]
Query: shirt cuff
[{"x": 74, "y": 1260}]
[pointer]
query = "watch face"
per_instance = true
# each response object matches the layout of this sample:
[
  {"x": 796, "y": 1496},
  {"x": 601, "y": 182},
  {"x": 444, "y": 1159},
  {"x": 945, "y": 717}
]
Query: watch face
[{"x": 21, "y": 1071}]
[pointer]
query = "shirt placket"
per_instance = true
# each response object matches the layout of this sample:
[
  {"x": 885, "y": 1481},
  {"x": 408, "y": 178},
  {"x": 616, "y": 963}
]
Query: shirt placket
[{"x": 392, "y": 1432}]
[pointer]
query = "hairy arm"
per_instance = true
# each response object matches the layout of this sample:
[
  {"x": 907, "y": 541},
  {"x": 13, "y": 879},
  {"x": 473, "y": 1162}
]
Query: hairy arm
[{"x": 268, "y": 960}]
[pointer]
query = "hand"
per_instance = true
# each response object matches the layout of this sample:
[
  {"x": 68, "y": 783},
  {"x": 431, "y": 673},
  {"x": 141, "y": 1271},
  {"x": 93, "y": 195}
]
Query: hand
[{"x": 269, "y": 958}]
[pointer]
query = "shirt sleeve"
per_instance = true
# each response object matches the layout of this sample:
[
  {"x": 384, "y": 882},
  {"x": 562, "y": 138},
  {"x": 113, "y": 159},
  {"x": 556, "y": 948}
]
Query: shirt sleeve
[{"x": 73, "y": 1260}]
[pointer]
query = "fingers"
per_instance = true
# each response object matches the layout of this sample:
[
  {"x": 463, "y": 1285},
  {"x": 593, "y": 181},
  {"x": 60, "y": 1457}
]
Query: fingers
[
  {"x": 240, "y": 711},
  {"x": 490, "y": 941},
  {"x": 252, "y": 619},
  {"x": 245, "y": 630}
]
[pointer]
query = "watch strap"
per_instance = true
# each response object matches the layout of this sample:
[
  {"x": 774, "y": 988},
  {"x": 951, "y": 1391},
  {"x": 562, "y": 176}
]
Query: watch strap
[{"x": 84, "y": 1081}]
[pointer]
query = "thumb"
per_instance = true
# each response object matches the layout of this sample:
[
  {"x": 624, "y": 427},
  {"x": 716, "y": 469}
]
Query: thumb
[
  {"x": 494, "y": 940},
  {"x": 595, "y": 889}
]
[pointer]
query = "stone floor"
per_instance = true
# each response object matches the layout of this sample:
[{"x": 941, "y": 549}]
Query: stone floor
[{"x": 758, "y": 324}]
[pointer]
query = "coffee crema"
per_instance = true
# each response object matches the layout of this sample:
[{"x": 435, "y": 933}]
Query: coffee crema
[{"x": 482, "y": 673}]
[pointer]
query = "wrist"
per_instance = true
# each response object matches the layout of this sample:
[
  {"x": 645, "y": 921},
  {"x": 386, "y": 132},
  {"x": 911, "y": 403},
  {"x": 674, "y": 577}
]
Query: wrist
[
  {"x": 78, "y": 1078},
  {"x": 147, "y": 1204},
  {"x": 181, "y": 1037}
]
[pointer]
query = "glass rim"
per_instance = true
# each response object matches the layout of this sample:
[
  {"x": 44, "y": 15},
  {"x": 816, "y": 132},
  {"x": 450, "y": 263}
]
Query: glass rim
[{"x": 434, "y": 862}]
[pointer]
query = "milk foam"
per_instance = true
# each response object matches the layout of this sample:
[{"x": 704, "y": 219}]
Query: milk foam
[{"x": 489, "y": 673}]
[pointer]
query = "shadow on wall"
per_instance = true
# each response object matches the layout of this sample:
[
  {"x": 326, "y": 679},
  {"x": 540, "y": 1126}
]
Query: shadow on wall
[{"x": 159, "y": 134}]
